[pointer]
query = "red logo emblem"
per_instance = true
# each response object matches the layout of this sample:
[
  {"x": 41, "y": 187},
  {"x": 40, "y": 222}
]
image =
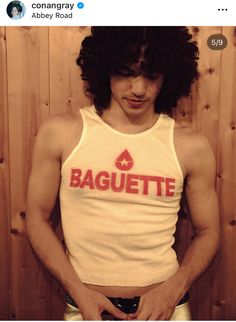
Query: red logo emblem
[{"x": 124, "y": 161}]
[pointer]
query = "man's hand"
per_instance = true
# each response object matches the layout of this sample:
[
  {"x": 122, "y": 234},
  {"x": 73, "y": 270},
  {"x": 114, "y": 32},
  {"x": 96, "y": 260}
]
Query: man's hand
[
  {"x": 157, "y": 304},
  {"x": 92, "y": 303}
]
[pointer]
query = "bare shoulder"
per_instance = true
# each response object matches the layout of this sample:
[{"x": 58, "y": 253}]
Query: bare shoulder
[
  {"x": 193, "y": 148},
  {"x": 193, "y": 139},
  {"x": 58, "y": 122},
  {"x": 58, "y": 130}
]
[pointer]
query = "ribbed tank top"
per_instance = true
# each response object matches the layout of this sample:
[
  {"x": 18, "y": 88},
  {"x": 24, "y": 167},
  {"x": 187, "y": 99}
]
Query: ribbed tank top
[{"x": 119, "y": 196}]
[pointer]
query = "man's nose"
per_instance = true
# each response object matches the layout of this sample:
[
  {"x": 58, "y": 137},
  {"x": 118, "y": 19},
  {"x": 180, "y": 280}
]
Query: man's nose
[{"x": 138, "y": 86}]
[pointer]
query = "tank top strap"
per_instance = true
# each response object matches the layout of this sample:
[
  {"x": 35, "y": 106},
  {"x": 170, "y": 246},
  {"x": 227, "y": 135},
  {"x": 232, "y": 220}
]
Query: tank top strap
[
  {"x": 166, "y": 121},
  {"x": 89, "y": 112},
  {"x": 165, "y": 129}
]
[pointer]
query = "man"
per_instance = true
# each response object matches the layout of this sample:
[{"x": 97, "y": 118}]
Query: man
[
  {"x": 121, "y": 166},
  {"x": 15, "y": 10}
]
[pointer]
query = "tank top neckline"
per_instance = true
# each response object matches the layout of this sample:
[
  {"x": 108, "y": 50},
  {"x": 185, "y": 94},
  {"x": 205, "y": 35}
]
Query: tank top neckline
[{"x": 150, "y": 129}]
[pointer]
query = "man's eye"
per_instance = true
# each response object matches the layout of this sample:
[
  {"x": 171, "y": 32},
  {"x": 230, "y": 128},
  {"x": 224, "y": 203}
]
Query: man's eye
[
  {"x": 130, "y": 73},
  {"x": 125, "y": 73}
]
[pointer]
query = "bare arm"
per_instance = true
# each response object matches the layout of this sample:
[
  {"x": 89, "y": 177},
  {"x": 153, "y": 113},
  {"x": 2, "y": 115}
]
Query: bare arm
[
  {"x": 42, "y": 192},
  {"x": 204, "y": 212}
]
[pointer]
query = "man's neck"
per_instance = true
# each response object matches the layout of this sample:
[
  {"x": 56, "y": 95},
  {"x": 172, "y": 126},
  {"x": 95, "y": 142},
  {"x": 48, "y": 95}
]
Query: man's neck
[{"x": 115, "y": 117}]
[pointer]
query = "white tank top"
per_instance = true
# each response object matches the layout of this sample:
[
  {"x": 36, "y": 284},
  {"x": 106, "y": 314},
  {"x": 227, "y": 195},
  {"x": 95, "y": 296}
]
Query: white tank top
[{"x": 119, "y": 195}]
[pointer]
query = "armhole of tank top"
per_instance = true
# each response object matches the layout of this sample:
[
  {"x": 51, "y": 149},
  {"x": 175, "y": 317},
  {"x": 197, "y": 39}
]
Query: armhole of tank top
[
  {"x": 172, "y": 145},
  {"x": 76, "y": 148}
]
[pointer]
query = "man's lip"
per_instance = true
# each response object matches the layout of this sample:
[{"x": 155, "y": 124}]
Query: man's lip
[{"x": 135, "y": 102}]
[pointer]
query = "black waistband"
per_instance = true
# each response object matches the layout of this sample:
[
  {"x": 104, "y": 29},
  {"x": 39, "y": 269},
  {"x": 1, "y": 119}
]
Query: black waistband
[{"x": 127, "y": 305}]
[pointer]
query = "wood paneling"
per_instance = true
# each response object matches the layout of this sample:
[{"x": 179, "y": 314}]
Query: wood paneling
[
  {"x": 4, "y": 187},
  {"x": 66, "y": 92},
  {"x": 28, "y": 97},
  {"x": 40, "y": 78},
  {"x": 225, "y": 288}
]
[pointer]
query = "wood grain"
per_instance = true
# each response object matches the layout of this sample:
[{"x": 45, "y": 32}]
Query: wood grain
[
  {"x": 66, "y": 86},
  {"x": 4, "y": 187},
  {"x": 28, "y": 97},
  {"x": 225, "y": 287}
]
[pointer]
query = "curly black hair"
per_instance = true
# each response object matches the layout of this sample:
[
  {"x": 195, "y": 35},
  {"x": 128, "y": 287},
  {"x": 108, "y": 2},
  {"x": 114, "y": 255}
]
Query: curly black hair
[
  {"x": 167, "y": 50},
  {"x": 13, "y": 4}
]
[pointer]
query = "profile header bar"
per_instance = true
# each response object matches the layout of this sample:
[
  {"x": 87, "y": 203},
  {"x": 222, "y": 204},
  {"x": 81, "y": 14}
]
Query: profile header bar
[{"x": 117, "y": 13}]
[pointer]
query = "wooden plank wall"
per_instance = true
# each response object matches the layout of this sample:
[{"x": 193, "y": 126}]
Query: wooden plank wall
[
  {"x": 38, "y": 78},
  {"x": 225, "y": 288},
  {"x": 4, "y": 186}
]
